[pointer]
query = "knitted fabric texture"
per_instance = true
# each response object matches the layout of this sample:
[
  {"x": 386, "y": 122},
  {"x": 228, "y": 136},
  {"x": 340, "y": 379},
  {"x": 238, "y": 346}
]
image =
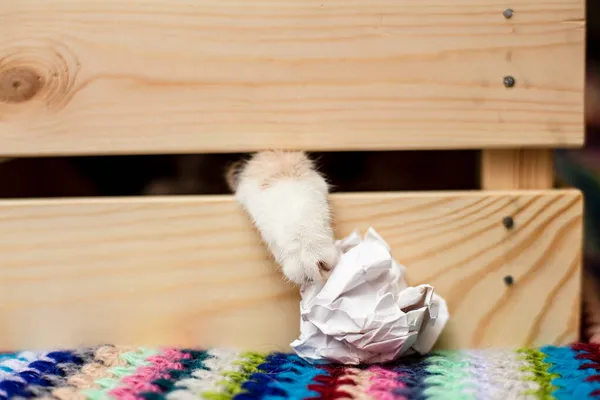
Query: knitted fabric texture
[{"x": 113, "y": 372}]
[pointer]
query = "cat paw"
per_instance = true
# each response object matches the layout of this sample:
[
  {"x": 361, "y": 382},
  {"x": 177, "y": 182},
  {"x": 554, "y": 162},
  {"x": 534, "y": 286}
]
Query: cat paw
[
  {"x": 287, "y": 200},
  {"x": 313, "y": 264}
]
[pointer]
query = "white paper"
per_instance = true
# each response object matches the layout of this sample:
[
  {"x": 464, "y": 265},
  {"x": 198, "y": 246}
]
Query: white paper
[{"x": 365, "y": 312}]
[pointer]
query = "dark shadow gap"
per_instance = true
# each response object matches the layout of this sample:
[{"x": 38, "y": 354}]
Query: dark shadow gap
[{"x": 204, "y": 174}]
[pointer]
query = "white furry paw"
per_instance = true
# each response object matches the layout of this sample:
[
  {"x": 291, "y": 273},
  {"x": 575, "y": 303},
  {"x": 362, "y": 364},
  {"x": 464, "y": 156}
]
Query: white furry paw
[
  {"x": 313, "y": 264},
  {"x": 287, "y": 200}
]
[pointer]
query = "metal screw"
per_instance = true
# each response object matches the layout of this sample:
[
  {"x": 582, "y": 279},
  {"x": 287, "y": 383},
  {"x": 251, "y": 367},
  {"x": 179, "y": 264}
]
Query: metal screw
[
  {"x": 509, "y": 280},
  {"x": 509, "y": 81},
  {"x": 508, "y": 222},
  {"x": 508, "y": 13}
]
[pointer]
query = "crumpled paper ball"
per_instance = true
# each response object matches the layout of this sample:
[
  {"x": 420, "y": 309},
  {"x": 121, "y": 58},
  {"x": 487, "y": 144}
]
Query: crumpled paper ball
[{"x": 365, "y": 313}]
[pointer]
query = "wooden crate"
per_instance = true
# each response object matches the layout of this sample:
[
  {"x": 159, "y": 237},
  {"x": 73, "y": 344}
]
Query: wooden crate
[{"x": 188, "y": 76}]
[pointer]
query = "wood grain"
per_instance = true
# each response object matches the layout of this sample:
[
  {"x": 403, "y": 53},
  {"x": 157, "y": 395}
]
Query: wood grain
[
  {"x": 185, "y": 76},
  {"x": 503, "y": 169},
  {"x": 191, "y": 271}
]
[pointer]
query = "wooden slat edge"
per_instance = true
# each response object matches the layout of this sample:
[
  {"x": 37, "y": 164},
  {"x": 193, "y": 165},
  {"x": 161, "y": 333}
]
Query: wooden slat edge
[{"x": 226, "y": 198}]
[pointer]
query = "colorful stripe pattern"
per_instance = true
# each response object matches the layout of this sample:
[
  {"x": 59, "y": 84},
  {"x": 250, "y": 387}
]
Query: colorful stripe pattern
[{"x": 121, "y": 373}]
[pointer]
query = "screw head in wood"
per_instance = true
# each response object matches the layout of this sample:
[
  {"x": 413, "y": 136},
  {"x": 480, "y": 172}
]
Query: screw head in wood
[
  {"x": 508, "y": 222},
  {"x": 509, "y": 81},
  {"x": 508, "y": 13},
  {"x": 509, "y": 280}
]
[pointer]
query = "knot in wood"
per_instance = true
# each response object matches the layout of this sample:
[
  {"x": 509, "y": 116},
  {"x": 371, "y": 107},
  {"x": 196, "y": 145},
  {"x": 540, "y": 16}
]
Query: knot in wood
[{"x": 19, "y": 84}]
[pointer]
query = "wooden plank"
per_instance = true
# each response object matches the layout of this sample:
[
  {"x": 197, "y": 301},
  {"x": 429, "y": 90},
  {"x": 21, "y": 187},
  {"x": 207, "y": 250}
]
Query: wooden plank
[
  {"x": 184, "y": 76},
  {"x": 516, "y": 169},
  {"x": 191, "y": 271}
]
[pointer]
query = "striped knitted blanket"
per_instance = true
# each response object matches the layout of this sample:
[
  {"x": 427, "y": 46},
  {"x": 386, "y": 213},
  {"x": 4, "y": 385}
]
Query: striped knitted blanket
[{"x": 110, "y": 372}]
